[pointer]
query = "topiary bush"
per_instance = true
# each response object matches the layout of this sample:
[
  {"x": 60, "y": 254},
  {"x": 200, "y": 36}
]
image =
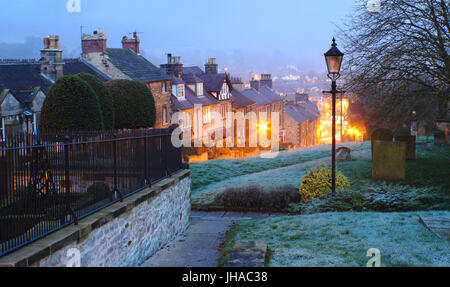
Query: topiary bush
[
  {"x": 105, "y": 99},
  {"x": 134, "y": 106},
  {"x": 317, "y": 184},
  {"x": 71, "y": 105}
]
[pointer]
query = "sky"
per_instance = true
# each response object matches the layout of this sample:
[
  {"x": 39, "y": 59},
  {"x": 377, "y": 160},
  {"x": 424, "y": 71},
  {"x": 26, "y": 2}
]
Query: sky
[{"x": 246, "y": 36}]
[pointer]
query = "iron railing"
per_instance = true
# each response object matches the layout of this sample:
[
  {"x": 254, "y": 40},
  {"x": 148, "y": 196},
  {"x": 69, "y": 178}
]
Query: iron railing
[{"x": 48, "y": 181}]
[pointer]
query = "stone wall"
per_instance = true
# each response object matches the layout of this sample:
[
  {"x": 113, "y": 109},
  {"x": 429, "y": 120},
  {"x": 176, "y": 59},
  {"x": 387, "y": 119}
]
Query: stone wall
[
  {"x": 123, "y": 234},
  {"x": 162, "y": 100}
]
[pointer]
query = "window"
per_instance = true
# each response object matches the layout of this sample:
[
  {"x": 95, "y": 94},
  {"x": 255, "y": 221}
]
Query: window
[
  {"x": 206, "y": 115},
  {"x": 164, "y": 87},
  {"x": 164, "y": 115},
  {"x": 224, "y": 92},
  {"x": 199, "y": 89},
  {"x": 180, "y": 92}
]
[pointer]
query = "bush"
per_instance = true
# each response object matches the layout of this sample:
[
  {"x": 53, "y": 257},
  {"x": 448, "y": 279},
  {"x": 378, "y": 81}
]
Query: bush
[
  {"x": 317, "y": 184},
  {"x": 104, "y": 98},
  {"x": 134, "y": 106},
  {"x": 71, "y": 105},
  {"x": 257, "y": 197},
  {"x": 99, "y": 191}
]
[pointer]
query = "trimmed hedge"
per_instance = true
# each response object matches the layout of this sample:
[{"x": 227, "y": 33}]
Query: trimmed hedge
[
  {"x": 71, "y": 105},
  {"x": 104, "y": 97},
  {"x": 134, "y": 106}
]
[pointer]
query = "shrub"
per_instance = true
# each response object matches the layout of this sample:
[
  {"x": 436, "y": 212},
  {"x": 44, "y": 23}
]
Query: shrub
[
  {"x": 134, "y": 106},
  {"x": 71, "y": 105},
  {"x": 317, "y": 184},
  {"x": 257, "y": 197},
  {"x": 104, "y": 98}
]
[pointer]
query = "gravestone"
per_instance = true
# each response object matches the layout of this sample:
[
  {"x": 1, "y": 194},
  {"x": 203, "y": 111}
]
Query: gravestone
[
  {"x": 343, "y": 154},
  {"x": 404, "y": 135},
  {"x": 388, "y": 160},
  {"x": 380, "y": 134},
  {"x": 439, "y": 138}
]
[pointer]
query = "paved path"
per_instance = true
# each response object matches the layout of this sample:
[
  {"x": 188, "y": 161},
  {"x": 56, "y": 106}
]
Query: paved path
[{"x": 199, "y": 245}]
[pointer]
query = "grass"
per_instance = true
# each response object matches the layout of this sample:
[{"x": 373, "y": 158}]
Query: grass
[
  {"x": 342, "y": 239},
  {"x": 426, "y": 187}
]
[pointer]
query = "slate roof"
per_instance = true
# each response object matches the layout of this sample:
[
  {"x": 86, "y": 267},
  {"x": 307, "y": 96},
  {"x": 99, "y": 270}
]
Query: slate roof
[
  {"x": 213, "y": 82},
  {"x": 191, "y": 99},
  {"x": 239, "y": 100},
  {"x": 25, "y": 96},
  {"x": 300, "y": 114},
  {"x": 176, "y": 81},
  {"x": 194, "y": 70},
  {"x": 191, "y": 78},
  {"x": 77, "y": 66},
  {"x": 135, "y": 66},
  {"x": 23, "y": 76},
  {"x": 256, "y": 97},
  {"x": 270, "y": 94}
]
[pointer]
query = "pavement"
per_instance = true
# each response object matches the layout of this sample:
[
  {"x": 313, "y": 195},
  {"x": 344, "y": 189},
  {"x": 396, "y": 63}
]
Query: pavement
[{"x": 199, "y": 245}]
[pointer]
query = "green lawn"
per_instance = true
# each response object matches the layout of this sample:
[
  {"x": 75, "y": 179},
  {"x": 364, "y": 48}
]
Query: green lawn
[
  {"x": 342, "y": 239},
  {"x": 426, "y": 187}
]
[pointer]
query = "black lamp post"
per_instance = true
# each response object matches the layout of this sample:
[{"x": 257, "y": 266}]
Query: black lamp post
[{"x": 333, "y": 59}]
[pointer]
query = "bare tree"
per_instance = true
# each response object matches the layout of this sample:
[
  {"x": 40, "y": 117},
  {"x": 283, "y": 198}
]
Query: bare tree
[{"x": 397, "y": 60}]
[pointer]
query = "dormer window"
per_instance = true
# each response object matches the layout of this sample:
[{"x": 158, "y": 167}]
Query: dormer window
[
  {"x": 224, "y": 92},
  {"x": 180, "y": 91},
  {"x": 199, "y": 89}
]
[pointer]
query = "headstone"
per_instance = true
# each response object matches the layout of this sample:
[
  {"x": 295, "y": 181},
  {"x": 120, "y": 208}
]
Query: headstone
[
  {"x": 388, "y": 160},
  {"x": 404, "y": 135},
  {"x": 343, "y": 154},
  {"x": 439, "y": 138},
  {"x": 380, "y": 134}
]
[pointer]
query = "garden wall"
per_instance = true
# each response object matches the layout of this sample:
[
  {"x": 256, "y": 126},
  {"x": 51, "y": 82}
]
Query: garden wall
[{"x": 123, "y": 234}]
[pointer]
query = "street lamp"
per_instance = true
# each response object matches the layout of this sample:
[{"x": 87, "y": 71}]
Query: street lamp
[{"x": 333, "y": 59}]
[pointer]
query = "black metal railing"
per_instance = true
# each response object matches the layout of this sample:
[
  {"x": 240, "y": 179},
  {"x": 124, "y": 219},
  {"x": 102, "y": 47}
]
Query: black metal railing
[{"x": 48, "y": 181}]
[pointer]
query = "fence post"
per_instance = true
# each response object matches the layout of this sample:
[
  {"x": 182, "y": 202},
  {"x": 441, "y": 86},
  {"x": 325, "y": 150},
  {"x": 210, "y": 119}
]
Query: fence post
[
  {"x": 146, "y": 181},
  {"x": 115, "y": 167},
  {"x": 67, "y": 179},
  {"x": 167, "y": 151}
]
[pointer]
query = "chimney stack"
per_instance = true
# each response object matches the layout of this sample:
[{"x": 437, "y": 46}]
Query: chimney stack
[
  {"x": 266, "y": 80},
  {"x": 133, "y": 43},
  {"x": 255, "y": 83},
  {"x": 51, "y": 58},
  {"x": 95, "y": 43},
  {"x": 174, "y": 67},
  {"x": 211, "y": 67}
]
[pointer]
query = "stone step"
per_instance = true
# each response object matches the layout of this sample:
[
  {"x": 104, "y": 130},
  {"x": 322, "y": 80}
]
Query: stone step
[{"x": 248, "y": 254}]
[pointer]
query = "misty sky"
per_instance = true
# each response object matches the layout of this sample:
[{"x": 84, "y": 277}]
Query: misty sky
[{"x": 244, "y": 35}]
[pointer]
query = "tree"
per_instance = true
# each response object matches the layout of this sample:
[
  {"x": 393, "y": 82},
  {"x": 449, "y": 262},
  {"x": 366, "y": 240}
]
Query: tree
[
  {"x": 134, "y": 106},
  {"x": 104, "y": 97},
  {"x": 71, "y": 105},
  {"x": 397, "y": 61}
]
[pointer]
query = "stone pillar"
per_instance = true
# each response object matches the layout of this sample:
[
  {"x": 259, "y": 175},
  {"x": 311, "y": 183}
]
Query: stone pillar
[
  {"x": 34, "y": 123},
  {"x": 388, "y": 161}
]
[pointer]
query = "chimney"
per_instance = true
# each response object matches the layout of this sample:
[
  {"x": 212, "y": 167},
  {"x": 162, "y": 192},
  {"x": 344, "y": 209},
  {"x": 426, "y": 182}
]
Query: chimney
[
  {"x": 266, "y": 80},
  {"x": 174, "y": 67},
  {"x": 255, "y": 83},
  {"x": 132, "y": 43},
  {"x": 51, "y": 58},
  {"x": 211, "y": 67},
  {"x": 95, "y": 43}
]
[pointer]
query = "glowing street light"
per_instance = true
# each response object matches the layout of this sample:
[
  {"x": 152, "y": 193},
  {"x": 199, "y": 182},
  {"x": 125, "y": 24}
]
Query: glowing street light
[{"x": 333, "y": 59}]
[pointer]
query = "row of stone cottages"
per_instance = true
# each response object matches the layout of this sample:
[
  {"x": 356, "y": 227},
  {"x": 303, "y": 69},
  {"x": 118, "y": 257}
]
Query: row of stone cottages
[{"x": 24, "y": 84}]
